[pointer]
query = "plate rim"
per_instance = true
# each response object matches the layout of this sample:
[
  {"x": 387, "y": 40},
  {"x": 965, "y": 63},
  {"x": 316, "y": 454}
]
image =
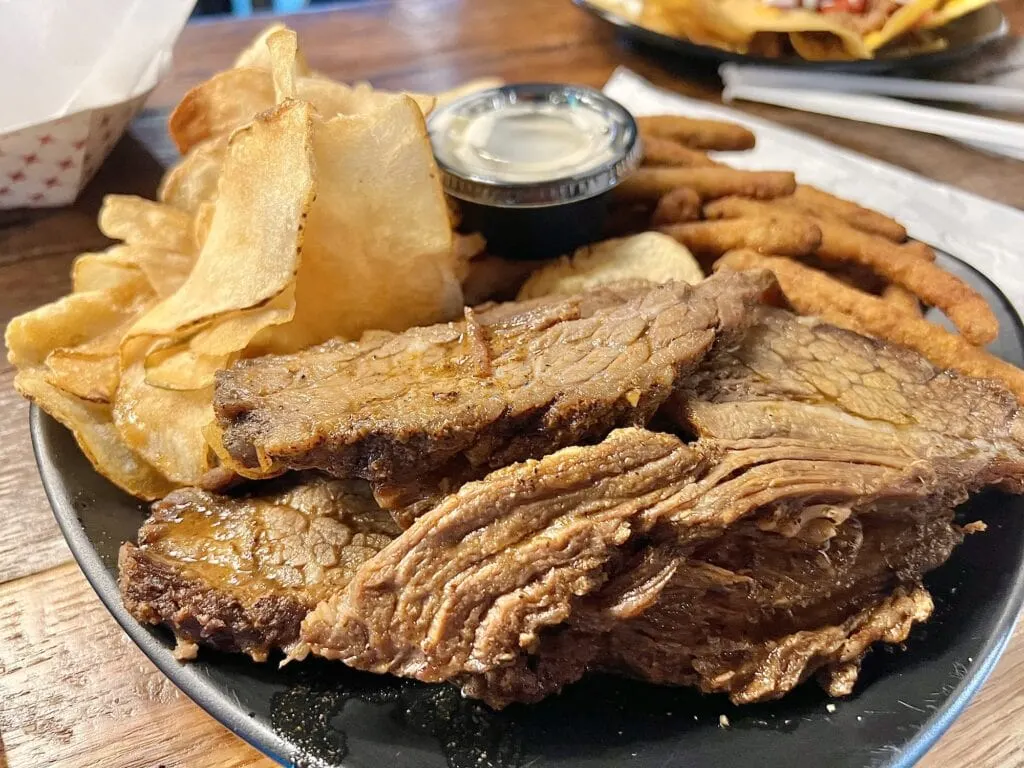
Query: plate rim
[
  {"x": 216, "y": 702},
  {"x": 682, "y": 47}
]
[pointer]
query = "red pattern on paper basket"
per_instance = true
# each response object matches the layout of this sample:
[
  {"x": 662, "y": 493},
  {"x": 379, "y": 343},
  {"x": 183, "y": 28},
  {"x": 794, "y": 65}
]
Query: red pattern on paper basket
[{"x": 48, "y": 164}]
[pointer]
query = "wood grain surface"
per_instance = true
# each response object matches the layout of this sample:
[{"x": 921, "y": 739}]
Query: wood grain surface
[{"x": 74, "y": 690}]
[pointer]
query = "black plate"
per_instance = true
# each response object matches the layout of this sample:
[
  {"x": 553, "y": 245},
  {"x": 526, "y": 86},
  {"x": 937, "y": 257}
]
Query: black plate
[
  {"x": 322, "y": 714},
  {"x": 964, "y": 35}
]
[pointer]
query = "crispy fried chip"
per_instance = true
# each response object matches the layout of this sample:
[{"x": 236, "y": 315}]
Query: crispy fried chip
[
  {"x": 900, "y": 23},
  {"x": 379, "y": 195},
  {"x": 114, "y": 269},
  {"x": 68, "y": 322},
  {"x": 283, "y": 45},
  {"x": 233, "y": 98},
  {"x": 90, "y": 377},
  {"x": 137, "y": 221},
  {"x": 93, "y": 428},
  {"x": 193, "y": 181},
  {"x": 257, "y": 54},
  {"x": 951, "y": 11},
  {"x": 251, "y": 253},
  {"x": 165, "y": 428},
  {"x": 648, "y": 256}
]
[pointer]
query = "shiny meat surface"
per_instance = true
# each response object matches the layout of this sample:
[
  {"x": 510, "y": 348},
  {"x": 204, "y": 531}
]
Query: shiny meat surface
[
  {"x": 240, "y": 573},
  {"x": 508, "y": 384},
  {"x": 783, "y": 542}
]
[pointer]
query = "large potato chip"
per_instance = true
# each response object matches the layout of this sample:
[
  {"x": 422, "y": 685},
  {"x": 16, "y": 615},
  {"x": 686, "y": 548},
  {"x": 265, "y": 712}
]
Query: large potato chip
[
  {"x": 193, "y": 181},
  {"x": 283, "y": 45},
  {"x": 192, "y": 365},
  {"x": 114, "y": 270},
  {"x": 231, "y": 99},
  {"x": 378, "y": 245},
  {"x": 180, "y": 368},
  {"x": 257, "y": 55},
  {"x": 88, "y": 376},
  {"x": 93, "y": 427},
  {"x": 137, "y": 221},
  {"x": 251, "y": 253},
  {"x": 648, "y": 256},
  {"x": 226, "y": 101},
  {"x": 271, "y": 69},
  {"x": 65, "y": 323},
  {"x": 165, "y": 271},
  {"x": 165, "y": 428}
]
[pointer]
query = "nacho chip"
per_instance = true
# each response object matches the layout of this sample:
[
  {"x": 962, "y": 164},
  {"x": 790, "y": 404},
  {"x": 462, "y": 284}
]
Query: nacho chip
[
  {"x": 901, "y": 22},
  {"x": 951, "y": 11}
]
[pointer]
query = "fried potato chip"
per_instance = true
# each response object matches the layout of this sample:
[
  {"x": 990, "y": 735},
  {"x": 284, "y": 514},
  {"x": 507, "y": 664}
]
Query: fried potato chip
[
  {"x": 901, "y": 22},
  {"x": 65, "y": 323},
  {"x": 251, "y": 253},
  {"x": 219, "y": 105},
  {"x": 257, "y": 55},
  {"x": 231, "y": 99},
  {"x": 137, "y": 221},
  {"x": 192, "y": 365},
  {"x": 201, "y": 222},
  {"x": 180, "y": 368},
  {"x": 193, "y": 181},
  {"x": 165, "y": 271},
  {"x": 88, "y": 376},
  {"x": 111, "y": 270},
  {"x": 283, "y": 45},
  {"x": 378, "y": 246},
  {"x": 93, "y": 428},
  {"x": 648, "y": 256},
  {"x": 165, "y": 428}
]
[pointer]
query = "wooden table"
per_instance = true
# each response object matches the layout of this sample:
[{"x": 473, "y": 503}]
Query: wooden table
[{"x": 74, "y": 691}]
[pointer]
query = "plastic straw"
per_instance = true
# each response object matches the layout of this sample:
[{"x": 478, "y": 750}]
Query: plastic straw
[
  {"x": 883, "y": 111},
  {"x": 990, "y": 96}
]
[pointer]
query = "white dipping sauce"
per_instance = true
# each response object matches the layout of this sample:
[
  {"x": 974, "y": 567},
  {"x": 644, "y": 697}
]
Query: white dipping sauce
[{"x": 531, "y": 142}]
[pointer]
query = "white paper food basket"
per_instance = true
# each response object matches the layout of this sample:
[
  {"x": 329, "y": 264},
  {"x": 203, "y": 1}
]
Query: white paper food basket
[{"x": 49, "y": 164}]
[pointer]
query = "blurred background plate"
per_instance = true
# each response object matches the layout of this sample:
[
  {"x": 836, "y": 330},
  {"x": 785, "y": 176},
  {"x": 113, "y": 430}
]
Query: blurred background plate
[
  {"x": 319, "y": 714},
  {"x": 965, "y": 36}
]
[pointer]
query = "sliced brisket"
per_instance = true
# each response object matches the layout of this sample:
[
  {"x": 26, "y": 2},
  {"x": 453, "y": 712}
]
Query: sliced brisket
[
  {"x": 509, "y": 383},
  {"x": 783, "y": 542},
  {"x": 239, "y": 574}
]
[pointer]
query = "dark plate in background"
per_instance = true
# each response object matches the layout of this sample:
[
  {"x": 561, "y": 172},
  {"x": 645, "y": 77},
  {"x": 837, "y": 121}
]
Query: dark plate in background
[
  {"x": 317, "y": 713},
  {"x": 965, "y": 36}
]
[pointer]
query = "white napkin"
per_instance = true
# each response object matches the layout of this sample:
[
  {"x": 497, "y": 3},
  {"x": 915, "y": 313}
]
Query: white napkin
[
  {"x": 987, "y": 235},
  {"x": 59, "y": 57}
]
